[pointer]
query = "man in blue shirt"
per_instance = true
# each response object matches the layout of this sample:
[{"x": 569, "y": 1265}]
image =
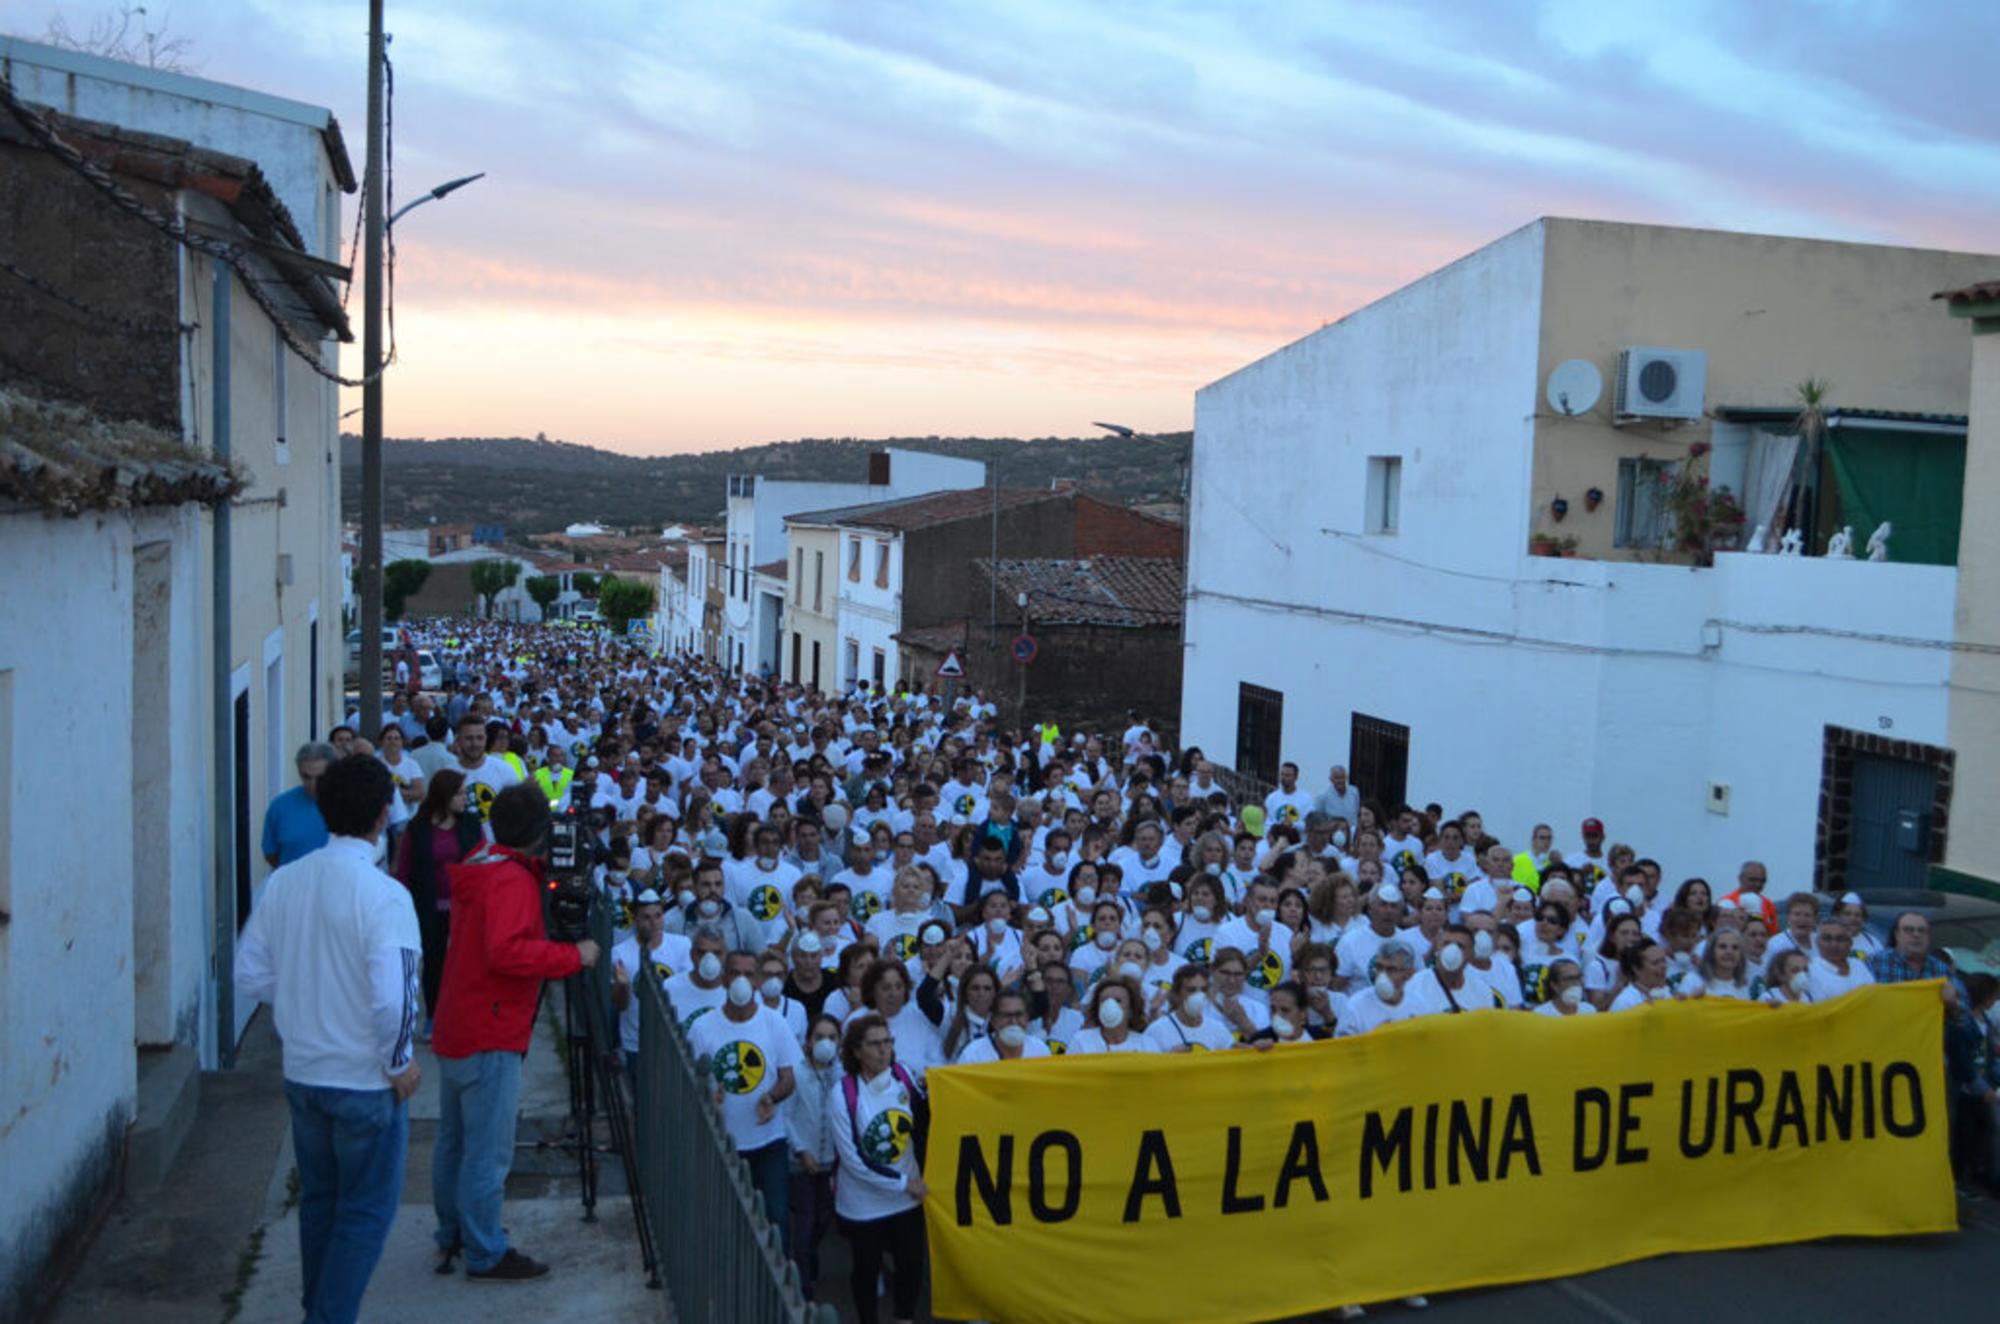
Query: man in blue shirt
[{"x": 292, "y": 823}]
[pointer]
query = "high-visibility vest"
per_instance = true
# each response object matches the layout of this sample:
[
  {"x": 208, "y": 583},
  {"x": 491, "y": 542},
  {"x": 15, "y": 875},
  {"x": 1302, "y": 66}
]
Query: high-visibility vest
[
  {"x": 513, "y": 760},
  {"x": 555, "y": 789}
]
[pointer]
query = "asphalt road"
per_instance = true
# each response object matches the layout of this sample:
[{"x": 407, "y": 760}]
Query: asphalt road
[{"x": 1951, "y": 1277}]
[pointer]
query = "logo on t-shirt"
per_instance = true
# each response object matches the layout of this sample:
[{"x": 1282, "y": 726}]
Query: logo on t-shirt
[
  {"x": 1051, "y": 897},
  {"x": 1199, "y": 951},
  {"x": 765, "y": 903},
  {"x": 1056, "y": 1046},
  {"x": 964, "y": 804},
  {"x": 904, "y": 946},
  {"x": 738, "y": 1067},
  {"x": 1269, "y": 972},
  {"x": 887, "y": 1136},
  {"x": 864, "y": 906},
  {"x": 699, "y": 1012},
  {"x": 482, "y": 798},
  {"x": 1288, "y": 813}
]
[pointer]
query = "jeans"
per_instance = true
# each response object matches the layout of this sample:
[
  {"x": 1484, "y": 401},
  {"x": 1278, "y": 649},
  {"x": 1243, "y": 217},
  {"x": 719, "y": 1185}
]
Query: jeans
[
  {"x": 771, "y": 1174},
  {"x": 901, "y": 1238},
  {"x": 350, "y": 1146},
  {"x": 812, "y": 1215},
  {"x": 477, "y": 1097}
]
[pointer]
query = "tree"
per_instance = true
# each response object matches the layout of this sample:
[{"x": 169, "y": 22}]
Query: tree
[
  {"x": 620, "y": 601},
  {"x": 544, "y": 589},
  {"x": 401, "y": 580},
  {"x": 586, "y": 583},
  {"x": 1813, "y": 393},
  {"x": 126, "y": 35},
  {"x": 492, "y": 578}
]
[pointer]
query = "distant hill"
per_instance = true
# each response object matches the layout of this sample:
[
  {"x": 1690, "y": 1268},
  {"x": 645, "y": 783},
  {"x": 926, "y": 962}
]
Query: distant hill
[{"x": 534, "y": 485}]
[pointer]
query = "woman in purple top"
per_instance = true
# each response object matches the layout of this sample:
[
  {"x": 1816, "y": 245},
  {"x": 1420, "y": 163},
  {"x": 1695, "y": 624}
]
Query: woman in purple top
[{"x": 440, "y": 834}]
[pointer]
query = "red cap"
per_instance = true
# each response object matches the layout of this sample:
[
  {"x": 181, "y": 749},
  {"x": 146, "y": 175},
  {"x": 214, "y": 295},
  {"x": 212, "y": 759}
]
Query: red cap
[{"x": 1593, "y": 827}]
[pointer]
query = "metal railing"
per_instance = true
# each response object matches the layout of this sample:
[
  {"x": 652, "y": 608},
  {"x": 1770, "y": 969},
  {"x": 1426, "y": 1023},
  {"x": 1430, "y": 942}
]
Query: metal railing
[{"x": 722, "y": 1259}]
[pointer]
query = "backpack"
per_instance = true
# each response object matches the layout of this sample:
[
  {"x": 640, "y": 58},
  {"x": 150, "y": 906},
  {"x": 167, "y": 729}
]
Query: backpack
[{"x": 920, "y": 1117}]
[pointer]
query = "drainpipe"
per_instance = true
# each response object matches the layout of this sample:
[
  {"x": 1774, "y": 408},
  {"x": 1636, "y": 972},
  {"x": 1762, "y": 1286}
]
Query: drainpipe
[{"x": 223, "y": 967}]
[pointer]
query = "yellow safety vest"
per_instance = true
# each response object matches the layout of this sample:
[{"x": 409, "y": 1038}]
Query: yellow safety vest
[
  {"x": 513, "y": 760},
  {"x": 556, "y": 789}
]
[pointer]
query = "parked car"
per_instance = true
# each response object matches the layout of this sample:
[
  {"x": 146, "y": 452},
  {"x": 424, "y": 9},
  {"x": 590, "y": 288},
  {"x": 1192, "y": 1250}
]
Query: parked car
[
  {"x": 587, "y": 616},
  {"x": 1965, "y": 929},
  {"x": 429, "y": 674},
  {"x": 393, "y": 638}
]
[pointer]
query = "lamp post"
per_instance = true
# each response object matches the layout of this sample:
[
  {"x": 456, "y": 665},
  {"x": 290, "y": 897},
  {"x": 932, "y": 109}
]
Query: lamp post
[
  {"x": 1187, "y": 514},
  {"x": 377, "y": 226}
]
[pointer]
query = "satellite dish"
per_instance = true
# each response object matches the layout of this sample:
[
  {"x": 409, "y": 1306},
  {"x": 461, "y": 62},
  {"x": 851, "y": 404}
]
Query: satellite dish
[{"x": 1574, "y": 387}]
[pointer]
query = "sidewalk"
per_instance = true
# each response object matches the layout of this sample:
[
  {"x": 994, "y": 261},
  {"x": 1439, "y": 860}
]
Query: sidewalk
[{"x": 596, "y": 1276}]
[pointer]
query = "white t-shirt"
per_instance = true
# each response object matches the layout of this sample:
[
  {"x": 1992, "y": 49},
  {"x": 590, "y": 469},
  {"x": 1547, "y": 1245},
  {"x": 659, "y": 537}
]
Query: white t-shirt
[
  {"x": 1828, "y": 983},
  {"x": 1460, "y": 873},
  {"x": 876, "y": 1145},
  {"x": 1365, "y": 1012},
  {"x": 983, "y": 1049},
  {"x": 1091, "y": 1041},
  {"x": 1697, "y": 985},
  {"x": 1287, "y": 807},
  {"x": 482, "y": 783},
  {"x": 406, "y": 772},
  {"x": 1170, "y": 1034},
  {"x": 1358, "y": 948},
  {"x": 764, "y": 895},
  {"x": 1267, "y": 971},
  {"x": 743, "y": 1059},
  {"x": 690, "y": 1001},
  {"x": 870, "y": 892},
  {"x": 1431, "y": 996},
  {"x": 1059, "y": 1036},
  {"x": 1633, "y": 996},
  {"x": 668, "y": 959},
  {"x": 1550, "y": 1009}
]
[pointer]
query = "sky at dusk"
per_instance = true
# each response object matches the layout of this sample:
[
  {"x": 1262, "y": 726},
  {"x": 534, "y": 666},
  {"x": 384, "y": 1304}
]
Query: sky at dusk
[{"x": 709, "y": 225}]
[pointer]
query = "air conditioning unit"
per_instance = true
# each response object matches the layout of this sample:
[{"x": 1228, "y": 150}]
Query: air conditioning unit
[{"x": 1660, "y": 383}]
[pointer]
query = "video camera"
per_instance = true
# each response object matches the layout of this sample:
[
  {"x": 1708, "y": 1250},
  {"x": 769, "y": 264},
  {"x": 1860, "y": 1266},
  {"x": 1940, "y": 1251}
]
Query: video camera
[{"x": 569, "y": 854}]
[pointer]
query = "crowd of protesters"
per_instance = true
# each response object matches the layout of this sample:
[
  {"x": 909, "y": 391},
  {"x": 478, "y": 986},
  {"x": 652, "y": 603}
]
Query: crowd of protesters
[{"x": 839, "y": 892}]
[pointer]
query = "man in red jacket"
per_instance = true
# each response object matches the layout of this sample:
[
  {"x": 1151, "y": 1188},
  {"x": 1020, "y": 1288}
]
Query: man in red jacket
[{"x": 493, "y": 972}]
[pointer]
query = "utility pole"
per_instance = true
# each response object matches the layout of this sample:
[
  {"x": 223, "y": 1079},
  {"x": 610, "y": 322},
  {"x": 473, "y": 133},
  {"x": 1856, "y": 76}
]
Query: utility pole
[{"x": 371, "y": 390}]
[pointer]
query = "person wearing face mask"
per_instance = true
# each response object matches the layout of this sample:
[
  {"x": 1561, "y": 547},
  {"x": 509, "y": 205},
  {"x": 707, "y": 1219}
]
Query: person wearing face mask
[
  {"x": 1187, "y": 1025},
  {"x": 995, "y": 940},
  {"x": 1645, "y": 966},
  {"x": 886, "y": 991},
  {"x": 1385, "y": 999},
  {"x": 881, "y": 1122},
  {"x": 1046, "y": 882},
  {"x": 1053, "y": 1016},
  {"x": 897, "y": 928},
  {"x": 1114, "y": 1023},
  {"x": 650, "y": 950},
  {"x": 1356, "y": 950},
  {"x": 698, "y": 990},
  {"x": 1228, "y": 997},
  {"x": 1262, "y": 937},
  {"x": 771, "y": 994},
  {"x": 807, "y": 983},
  {"x": 1106, "y": 925},
  {"x": 1156, "y": 935},
  {"x": 1201, "y": 919},
  {"x": 1564, "y": 984},
  {"x": 1009, "y": 1040},
  {"x": 809, "y": 1114},
  {"x": 750, "y": 1056},
  {"x": 1447, "y": 985},
  {"x": 1492, "y": 966},
  {"x": 1833, "y": 970},
  {"x": 1289, "y": 1020},
  {"x": 1787, "y": 980}
]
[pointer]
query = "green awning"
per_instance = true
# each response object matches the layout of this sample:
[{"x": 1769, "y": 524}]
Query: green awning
[{"x": 1913, "y": 479}]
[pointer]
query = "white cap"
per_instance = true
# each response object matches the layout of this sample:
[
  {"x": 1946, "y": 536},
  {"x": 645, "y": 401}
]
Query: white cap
[
  {"x": 808, "y": 941},
  {"x": 933, "y": 935},
  {"x": 1388, "y": 894},
  {"x": 1618, "y": 905},
  {"x": 862, "y": 836},
  {"x": 1727, "y": 903},
  {"x": 1430, "y": 894},
  {"x": 592, "y": 760},
  {"x": 647, "y": 898},
  {"x": 1852, "y": 899},
  {"x": 1038, "y": 916}
]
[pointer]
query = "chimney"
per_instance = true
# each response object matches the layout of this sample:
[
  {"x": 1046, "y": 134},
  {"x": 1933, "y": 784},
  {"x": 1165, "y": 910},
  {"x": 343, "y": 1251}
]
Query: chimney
[{"x": 878, "y": 469}]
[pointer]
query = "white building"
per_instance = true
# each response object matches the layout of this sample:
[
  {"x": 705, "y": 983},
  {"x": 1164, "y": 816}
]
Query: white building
[
  {"x": 1377, "y": 605},
  {"x": 755, "y": 536},
  {"x": 109, "y": 621},
  {"x": 585, "y": 530}
]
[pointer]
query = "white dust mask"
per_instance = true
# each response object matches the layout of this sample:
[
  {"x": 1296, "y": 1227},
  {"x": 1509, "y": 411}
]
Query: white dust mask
[
  {"x": 772, "y": 988},
  {"x": 709, "y": 966},
  {"x": 740, "y": 991},
  {"x": 1111, "y": 1013},
  {"x": 824, "y": 1052},
  {"x": 1152, "y": 939},
  {"x": 1195, "y": 1003},
  {"x": 1451, "y": 957},
  {"x": 1385, "y": 987},
  {"x": 1013, "y": 1036},
  {"x": 1482, "y": 944},
  {"x": 1573, "y": 995},
  {"x": 1107, "y": 940},
  {"x": 1281, "y": 1027},
  {"x": 1203, "y": 915}
]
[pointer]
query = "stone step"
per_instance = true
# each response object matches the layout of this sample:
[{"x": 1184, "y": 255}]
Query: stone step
[{"x": 169, "y": 1096}]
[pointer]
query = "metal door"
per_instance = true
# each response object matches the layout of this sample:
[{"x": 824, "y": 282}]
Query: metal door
[
  {"x": 1889, "y": 823},
  {"x": 1378, "y": 756},
  {"x": 1260, "y": 726}
]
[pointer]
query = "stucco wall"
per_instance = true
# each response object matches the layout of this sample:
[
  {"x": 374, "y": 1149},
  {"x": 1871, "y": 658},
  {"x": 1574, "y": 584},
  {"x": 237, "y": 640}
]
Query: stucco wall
[
  {"x": 1770, "y": 312},
  {"x": 1974, "y": 844},
  {"x": 800, "y": 617},
  {"x": 68, "y": 1078}
]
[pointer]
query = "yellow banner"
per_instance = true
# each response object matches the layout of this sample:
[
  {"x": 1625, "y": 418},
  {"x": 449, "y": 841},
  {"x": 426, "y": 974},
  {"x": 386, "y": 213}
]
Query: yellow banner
[{"x": 1445, "y": 1152}]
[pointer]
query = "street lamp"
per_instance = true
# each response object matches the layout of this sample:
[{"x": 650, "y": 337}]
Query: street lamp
[
  {"x": 1187, "y": 510},
  {"x": 371, "y": 390}
]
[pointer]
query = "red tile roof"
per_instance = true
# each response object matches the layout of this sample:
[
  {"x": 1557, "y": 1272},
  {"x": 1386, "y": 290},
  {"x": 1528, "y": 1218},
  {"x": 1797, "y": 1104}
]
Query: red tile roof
[
  {"x": 774, "y": 570},
  {"x": 1130, "y": 591},
  {"x": 936, "y": 508}
]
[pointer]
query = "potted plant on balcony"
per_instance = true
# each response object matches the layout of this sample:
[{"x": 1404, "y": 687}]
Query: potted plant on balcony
[
  {"x": 1566, "y": 547},
  {"x": 1706, "y": 519},
  {"x": 1541, "y": 543}
]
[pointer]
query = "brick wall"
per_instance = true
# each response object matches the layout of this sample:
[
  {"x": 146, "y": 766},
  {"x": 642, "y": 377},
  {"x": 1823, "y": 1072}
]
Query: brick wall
[
  {"x": 937, "y": 561},
  {"x": 62, "y": 231},
  {"x": 1083, "y": 676}
]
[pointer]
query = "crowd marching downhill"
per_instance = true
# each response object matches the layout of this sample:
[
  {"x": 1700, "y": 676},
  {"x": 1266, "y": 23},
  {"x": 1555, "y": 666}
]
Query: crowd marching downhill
[{"x": 839, "y": 892}]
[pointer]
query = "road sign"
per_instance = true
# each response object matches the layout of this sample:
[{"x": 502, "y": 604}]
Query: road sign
[
  {"x": 1024, "y": 648},
  {"x": 952, "y": 668}
]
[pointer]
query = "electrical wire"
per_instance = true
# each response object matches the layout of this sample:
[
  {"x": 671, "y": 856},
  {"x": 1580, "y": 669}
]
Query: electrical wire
[
  {"x": 227, "y": 254},
  {"x": 129, "y": 326},
  {"x": 1899, "y": 640},
  {"x": 1368, "y": 546}
]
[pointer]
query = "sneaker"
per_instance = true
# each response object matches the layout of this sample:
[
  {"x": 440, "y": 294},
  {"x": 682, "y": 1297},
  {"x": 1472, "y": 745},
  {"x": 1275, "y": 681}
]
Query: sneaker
[
  {"x": 1352, "y": 1312},
  {"x": 514, "y": 1267},
  {"x": 1413, "y": 1302}
]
